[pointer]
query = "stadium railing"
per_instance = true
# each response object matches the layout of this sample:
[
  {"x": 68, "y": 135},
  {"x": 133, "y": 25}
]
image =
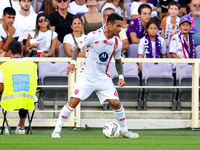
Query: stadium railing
[{"x": 76, "y": 116}]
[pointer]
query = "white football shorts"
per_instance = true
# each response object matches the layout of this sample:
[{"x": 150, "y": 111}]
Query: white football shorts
[{"x": 104, "y": 89}]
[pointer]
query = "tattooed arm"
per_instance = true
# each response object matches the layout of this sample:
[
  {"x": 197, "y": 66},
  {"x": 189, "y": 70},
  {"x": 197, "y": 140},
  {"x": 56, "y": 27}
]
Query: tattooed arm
[
  {"x": 71, "y": 67},
  {"x": 120, "y": 71}
]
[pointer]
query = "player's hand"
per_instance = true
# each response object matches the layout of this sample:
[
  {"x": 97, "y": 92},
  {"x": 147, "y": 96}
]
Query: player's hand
[
  {"x": 70, "y": 68},
  {"x": 121, "y": 83},
  {"x": 11, "y": 30}
]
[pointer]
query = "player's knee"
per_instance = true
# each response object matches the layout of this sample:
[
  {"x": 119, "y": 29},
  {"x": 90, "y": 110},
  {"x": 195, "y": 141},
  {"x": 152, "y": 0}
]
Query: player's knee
[
  {"x": 115, "y": 104},
  {"x": 73, "y": 102}
]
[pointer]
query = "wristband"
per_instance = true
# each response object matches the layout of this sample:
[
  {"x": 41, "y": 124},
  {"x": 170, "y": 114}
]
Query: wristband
[
  {"x": 45, "y": 54},
  {"x": 73, "y": 62},
  {"x": 121, "y": 77}
]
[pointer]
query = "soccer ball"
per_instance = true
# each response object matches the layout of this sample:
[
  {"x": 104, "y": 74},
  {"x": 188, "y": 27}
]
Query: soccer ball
[{"x": 111, "y": 130}]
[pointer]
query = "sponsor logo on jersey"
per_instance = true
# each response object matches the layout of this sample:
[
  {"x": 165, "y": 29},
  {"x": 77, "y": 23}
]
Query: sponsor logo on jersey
[
  {"x": 103, "y": 56},
  {"x": 96, "y": 42},
  {"x": 122, "y": 119}
]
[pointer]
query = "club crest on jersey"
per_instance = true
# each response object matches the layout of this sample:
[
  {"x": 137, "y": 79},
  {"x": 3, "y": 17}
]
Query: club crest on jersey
[
  {"x": 103, "y": 56},
  {"x": 115, "y": 94},
  {"x": 107, "y": 42},
  {"x": 76, "y": 91}
]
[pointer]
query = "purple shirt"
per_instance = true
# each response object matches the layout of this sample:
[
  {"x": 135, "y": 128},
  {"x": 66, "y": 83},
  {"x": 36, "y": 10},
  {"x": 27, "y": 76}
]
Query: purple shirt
[{"x": 135, "y": 25}]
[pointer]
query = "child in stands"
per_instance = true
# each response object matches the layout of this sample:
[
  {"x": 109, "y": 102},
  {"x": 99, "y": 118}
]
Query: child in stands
[{"x": 151, "y": 45}]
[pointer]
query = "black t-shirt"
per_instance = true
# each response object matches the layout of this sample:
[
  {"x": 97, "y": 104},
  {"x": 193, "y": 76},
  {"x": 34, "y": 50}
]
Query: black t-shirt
[
  {"x": 164, "y": 4},
  {"x": 62, "y": 26}
]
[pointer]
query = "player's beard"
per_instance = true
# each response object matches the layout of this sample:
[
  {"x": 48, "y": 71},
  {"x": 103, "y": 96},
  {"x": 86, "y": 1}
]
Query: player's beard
[
  {"x": 196, "y": 13},
  {"x": 25, "y": 9}
]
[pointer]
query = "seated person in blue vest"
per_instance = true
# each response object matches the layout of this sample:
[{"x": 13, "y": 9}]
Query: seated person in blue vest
[
  {"x": 182, "y": 43},
  {"x": 8, "y": 31},
  {"x": 151, "y": 45},
  {"x": 137, "y": 27},
  {"x": 18, "y": 81}
]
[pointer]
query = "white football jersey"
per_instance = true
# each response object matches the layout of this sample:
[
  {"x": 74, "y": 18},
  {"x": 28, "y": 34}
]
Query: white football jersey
[{"x": 100, "y": 51}]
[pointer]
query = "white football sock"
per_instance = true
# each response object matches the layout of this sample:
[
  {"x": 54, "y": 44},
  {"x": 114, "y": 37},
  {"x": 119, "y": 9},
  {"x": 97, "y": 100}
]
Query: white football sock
[
  {"x": 64, "y": 115},
  {"x": 121, "y": 118}
]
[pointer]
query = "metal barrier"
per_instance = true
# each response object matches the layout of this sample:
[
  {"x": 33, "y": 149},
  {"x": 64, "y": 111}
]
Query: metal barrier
[{"x": 72, "y": 77}]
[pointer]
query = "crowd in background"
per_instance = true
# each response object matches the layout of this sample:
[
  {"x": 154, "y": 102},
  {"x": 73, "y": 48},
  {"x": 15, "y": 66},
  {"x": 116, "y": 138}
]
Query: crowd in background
[{"x": 54, "y": 27}]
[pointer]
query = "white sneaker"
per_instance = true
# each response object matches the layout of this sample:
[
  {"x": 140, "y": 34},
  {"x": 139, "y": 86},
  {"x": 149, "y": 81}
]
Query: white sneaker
[
  {"x": 129, "y": 134},
  {"x": 55, "y": 135},
  {"x": 20, "y": 130}
]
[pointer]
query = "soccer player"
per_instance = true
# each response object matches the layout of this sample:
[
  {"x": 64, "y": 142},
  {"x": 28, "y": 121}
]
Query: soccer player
[{"x": 102, "y": 45}]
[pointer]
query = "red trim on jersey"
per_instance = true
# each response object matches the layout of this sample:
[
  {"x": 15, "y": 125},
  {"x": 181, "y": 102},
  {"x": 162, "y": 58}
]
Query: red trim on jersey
[
  {"x": 68, "y": 107},
  {"x": 114, "y": 49},
  {"x": 183, "y": 51}
]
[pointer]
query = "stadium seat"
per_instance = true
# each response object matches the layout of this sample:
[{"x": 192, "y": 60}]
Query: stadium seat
[
  {"x": 53, "y": 74},
  {"x": 62, "y": 51},
  {"x": 158, "y": 75},
  {"x": 197, "y": 51},
  {"x": 129, "y": 97},
  {"x": 184, "y": 78},
  {"x": 39, "y": 4},
  {"x": 132, "y": 51},
  {"x": 128, "y": 9}
]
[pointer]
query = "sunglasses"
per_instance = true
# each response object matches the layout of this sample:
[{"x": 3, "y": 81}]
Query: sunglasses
[
  {"x": 41, "y": 20},
  {"x": 59, "y": 1},
  {"x": 196, "y": 5}
]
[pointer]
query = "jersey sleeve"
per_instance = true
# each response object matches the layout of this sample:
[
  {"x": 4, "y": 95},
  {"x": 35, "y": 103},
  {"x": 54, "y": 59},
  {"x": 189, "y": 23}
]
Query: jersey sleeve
[
  {"x": 141, "y": 47},
  {"x": 86, "y": 41},
  {"x": 163, "y": 47}
]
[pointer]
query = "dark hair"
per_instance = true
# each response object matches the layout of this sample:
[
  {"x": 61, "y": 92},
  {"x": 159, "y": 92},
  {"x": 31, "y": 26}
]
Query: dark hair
[
  {"x": 9, "y": 11},
  {"x": 174, "y": 3},
  {"x": 47, "y": 7},
  {"x": 37, "y": 27},
  {"x": 75, "y": 17},
  {"x": 113, "y": 17},
  {"x": 15, "y": 48},
  {"x": 153, "y": 20},
  {"x": 144, "y": 6}
]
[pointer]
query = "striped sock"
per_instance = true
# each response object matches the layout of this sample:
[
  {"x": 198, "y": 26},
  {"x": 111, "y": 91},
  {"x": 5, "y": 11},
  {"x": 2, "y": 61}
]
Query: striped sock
[
  {"x": 121, "y": 118},
  {"x": 64, "y": 115}
]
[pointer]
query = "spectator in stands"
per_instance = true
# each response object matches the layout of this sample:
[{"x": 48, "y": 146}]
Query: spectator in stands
[
  {"x": 122, "y": 33},
  {"x": 48, "y": 6},
  {"x": 194, "y": 17},
  {"x": 78, "y": 7},
  {"x": 11, "y": 3},
  {"x": 181, "y": 44},
  {"x": 24, "y": 15},
  {"x": 136, "y": 4},
  {"x": 170, "y": 23},
  {"x": 22, "y": 96},
  {"x": 137, "y": 27},
  {"x": 151, "y": 45},
  {"x": 61, "y": 22},
  {"x": 8, "y": 32},
  {"x": 119, "y": 7},
  {"x": 93, "y": 19},
  {"x": 42, "y": 39},
  {"x": 164, "y": 7},
  {"x": 70, "y": 40}
]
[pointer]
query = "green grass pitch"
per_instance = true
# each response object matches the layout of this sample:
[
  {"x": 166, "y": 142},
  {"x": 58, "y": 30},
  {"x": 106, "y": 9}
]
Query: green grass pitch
[{"x": 93, "y": 139}]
